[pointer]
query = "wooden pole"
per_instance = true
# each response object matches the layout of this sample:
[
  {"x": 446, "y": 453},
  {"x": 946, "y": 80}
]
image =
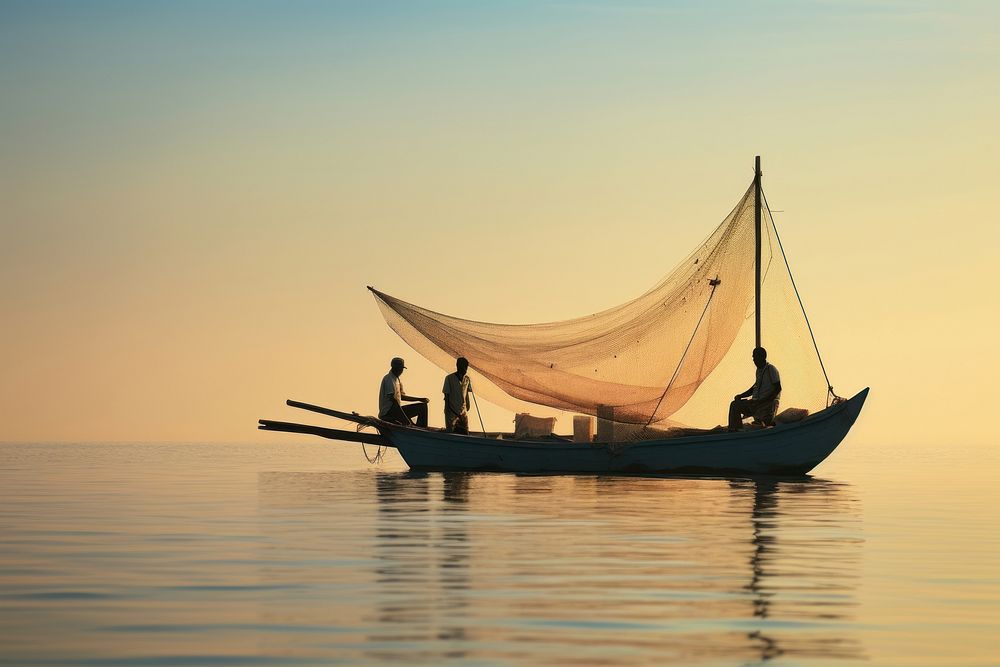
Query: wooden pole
[{"x": 756, "y": 227}]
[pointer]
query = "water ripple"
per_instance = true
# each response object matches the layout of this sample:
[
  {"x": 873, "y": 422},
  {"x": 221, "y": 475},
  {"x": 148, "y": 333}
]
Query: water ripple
[{"x": 156, "y": 555}]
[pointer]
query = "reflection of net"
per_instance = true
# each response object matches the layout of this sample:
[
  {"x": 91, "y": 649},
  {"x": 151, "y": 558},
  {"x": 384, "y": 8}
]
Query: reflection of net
[{"x": 618, "y": 362}]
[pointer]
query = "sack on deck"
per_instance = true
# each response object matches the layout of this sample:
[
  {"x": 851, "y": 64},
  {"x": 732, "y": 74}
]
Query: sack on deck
[
  {"x": 526, "y": 426},
  {"x": 791, "y": 415}
]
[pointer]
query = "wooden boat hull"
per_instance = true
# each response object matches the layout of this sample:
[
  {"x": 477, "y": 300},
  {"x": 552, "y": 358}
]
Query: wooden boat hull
[{"x": 785, "y": 449}]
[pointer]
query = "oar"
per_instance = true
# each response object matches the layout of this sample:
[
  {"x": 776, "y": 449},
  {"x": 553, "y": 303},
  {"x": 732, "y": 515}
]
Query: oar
[
  {"x": 476, "y": 403},
  {"x": 331, "y": 433},
  {"x": 347, "y": 416}
]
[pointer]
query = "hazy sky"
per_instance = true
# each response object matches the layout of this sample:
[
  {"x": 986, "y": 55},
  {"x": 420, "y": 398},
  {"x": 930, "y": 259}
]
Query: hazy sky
[{"x": 194, "y": 195}]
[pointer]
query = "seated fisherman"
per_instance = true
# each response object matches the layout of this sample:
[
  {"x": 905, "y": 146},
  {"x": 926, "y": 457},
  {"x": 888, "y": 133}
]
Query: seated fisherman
[
  {"x": 763, "y": 402},
  {"x": 456, "y": 398},
  {"x": 391, "y": 395}
]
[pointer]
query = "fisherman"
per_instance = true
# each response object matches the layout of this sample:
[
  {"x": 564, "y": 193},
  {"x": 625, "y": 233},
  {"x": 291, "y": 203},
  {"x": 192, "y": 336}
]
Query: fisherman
[
  {"x": 762, "y": 404},
  {"x": 391, "y": 395},
  {"x": 456, "y": 398}
]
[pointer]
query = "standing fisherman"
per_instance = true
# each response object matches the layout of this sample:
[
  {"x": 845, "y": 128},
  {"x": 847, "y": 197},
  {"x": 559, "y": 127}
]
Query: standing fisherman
[{"x": 456, "y": 398}]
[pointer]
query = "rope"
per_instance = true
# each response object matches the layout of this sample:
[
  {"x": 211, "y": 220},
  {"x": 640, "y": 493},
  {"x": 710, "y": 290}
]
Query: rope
[
  {"x": 714, "y": 283},
  {"x": 379, "y": 453},
  {"x": 829, "y": 386}
]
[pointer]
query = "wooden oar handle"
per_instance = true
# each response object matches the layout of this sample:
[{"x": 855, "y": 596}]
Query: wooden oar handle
[
  {"x": 331, "y": 433},
  {"x": 348, "y": 416}
]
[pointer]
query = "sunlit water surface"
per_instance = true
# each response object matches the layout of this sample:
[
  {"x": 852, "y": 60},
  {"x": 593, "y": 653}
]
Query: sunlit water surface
[{"x": 303, "y": 554}]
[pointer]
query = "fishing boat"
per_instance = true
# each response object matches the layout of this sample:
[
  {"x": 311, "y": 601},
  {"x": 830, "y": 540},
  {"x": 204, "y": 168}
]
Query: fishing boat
[{"x": 638, "y": 368}]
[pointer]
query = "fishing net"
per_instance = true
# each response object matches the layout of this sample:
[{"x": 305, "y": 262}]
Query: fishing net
[{"x": 681, "y": 349}]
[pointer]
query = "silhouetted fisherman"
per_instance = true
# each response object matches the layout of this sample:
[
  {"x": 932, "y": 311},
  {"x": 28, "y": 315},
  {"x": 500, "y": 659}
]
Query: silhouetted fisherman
[
  {"x": 456, "y": 398},
  {"x": 764, "y": 394},
  {"x": 391, "y": 396}
]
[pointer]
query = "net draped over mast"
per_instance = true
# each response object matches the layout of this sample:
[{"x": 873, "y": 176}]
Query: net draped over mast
[{"x": 641, "y": 361}]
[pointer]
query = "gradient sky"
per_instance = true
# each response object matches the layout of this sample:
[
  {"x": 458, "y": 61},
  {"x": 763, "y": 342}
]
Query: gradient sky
[{"x": 194, "y": 195}]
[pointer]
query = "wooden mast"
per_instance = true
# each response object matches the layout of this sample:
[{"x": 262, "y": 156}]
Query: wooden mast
[{"x": 756, "y": 229}]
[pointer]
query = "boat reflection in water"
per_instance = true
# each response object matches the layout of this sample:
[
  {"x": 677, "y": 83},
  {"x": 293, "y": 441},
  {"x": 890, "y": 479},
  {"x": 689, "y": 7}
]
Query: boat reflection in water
[{"x": 579, "y": 569}]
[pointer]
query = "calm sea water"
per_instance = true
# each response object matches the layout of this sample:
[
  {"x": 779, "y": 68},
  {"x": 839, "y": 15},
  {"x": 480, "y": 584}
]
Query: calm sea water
[{"x": 303, "y": 554}]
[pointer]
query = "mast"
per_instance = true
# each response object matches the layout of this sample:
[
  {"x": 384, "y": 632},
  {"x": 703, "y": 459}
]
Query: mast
[{"x": 756, "y": 231}]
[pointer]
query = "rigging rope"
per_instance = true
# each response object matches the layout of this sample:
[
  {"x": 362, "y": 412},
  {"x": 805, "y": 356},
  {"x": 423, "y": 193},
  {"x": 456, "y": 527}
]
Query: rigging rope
[
  {"x": 829, "y": 386},
  {"x": 714, "y": 283}
]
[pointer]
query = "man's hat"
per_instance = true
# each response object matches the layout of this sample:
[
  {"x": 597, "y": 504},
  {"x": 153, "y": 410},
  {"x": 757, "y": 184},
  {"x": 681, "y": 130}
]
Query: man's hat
[{"x": 397, "y": 360}]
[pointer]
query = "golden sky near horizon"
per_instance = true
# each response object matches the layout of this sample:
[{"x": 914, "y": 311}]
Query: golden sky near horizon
[{"x": 195, "y": 198}]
